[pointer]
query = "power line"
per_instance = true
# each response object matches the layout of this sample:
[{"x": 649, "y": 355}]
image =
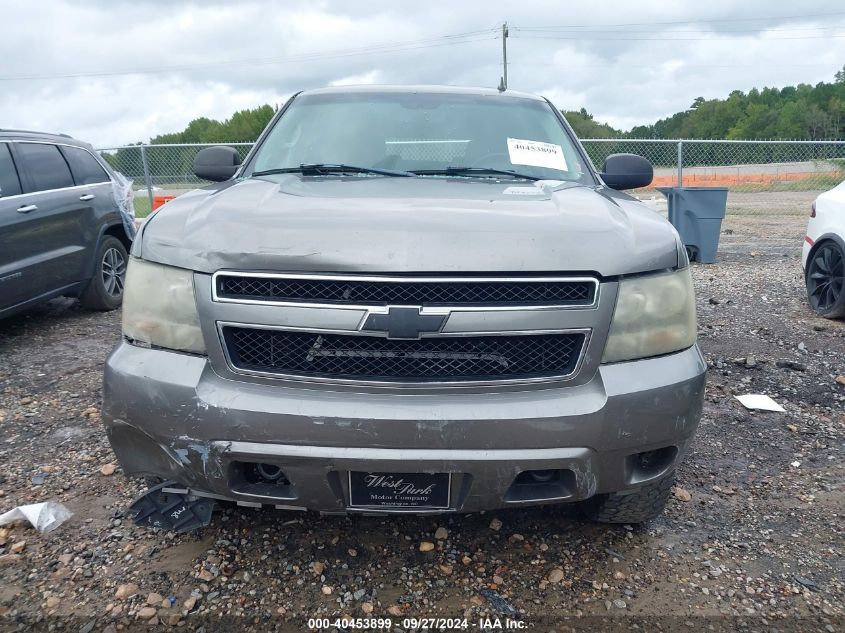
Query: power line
[
  {"x": 443, "y": 40},
  {"x": 693, "y": 21},
  {"x": 614, "y": 38},
  {"x": 681, "y": 67},
  {"x": 574, "y": 32},
  {"x": 675, "y": 31}
]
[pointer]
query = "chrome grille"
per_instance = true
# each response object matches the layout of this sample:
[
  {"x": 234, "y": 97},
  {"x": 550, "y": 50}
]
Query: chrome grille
[{"x": 374, "y": 358}]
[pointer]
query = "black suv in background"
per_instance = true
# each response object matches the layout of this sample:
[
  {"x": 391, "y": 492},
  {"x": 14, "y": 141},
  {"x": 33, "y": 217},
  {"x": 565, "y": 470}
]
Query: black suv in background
[{"x": 61, "y": 229}]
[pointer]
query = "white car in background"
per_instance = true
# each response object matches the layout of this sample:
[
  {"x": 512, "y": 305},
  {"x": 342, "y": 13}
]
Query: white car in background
[{"x": 824, "y": 254}]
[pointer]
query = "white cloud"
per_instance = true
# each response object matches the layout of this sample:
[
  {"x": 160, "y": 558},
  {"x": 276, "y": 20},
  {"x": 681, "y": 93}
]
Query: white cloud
[
  {"x": 630, "y": 76},
  {"x": 371, "y": 77}
]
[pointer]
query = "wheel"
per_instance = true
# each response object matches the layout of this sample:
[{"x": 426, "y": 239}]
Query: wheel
[
  {"x": 825, "y": 279},
  {"x": 105, "y": 290},
  {"x": 643, "y": 503}
]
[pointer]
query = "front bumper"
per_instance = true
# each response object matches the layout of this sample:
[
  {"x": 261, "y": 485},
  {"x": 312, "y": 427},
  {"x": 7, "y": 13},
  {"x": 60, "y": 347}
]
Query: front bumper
[{"x": 170, "y": 415}]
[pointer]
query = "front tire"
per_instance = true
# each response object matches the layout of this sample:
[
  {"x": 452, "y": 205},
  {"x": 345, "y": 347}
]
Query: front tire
[
  {"x": 642, "y": 504},
  {"x": 825, "y": 279},
  {"x": 105, "y": 290}
]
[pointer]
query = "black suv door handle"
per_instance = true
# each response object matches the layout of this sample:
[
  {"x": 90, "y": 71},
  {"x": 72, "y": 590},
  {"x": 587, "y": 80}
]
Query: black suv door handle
[
  {"x": 87, "y": 196},
  {"x": 27, "y": 208}
]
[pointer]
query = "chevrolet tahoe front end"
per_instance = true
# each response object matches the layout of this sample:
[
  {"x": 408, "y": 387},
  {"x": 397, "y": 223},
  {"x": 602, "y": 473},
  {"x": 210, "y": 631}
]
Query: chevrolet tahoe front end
[{"x": 394, "y": 336}]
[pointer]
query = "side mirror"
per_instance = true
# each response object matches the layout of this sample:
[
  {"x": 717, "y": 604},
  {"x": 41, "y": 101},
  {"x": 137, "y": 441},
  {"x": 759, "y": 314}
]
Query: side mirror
[
  {"x": 626, "y": 171},
  {"x": 216, "y": 163}
]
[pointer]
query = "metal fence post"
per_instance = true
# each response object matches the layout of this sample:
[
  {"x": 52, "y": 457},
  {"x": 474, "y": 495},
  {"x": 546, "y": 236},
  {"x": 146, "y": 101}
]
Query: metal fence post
[
  {"x": 680, "y": 163},
  {"x": 147, "y": 178}
]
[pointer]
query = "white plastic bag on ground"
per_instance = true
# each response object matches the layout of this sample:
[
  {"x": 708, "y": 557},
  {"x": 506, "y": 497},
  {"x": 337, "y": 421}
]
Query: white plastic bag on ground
[{"x": 44, "y": 517}]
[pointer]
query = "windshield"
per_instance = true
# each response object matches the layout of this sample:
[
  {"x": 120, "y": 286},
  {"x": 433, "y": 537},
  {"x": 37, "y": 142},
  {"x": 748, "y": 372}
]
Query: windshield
[{"x": 423, "y": 133}]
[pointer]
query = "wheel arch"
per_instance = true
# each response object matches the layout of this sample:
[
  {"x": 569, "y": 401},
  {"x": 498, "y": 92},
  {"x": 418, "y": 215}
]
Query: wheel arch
[
  {"x": 827, "y": 237},
  {"x": 118, "y": 231},
  {"x": 115, "y": 230}
]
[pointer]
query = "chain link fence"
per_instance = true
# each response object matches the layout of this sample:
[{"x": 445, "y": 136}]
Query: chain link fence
[
  {"x": 742, "y": 166},
  {"x": 800, "y": 168},
  {"x": 160, "y": 171}
]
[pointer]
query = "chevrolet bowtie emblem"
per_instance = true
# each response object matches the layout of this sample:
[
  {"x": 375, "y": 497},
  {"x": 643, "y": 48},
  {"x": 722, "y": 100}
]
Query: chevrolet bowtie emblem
[{"x": 403, "y": 323}]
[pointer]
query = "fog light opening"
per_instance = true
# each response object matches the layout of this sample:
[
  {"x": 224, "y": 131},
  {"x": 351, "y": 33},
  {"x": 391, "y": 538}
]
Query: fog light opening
[
  {"x": 260, "y": 479},
  {"x": 269, "y": 472},
  {"x": 541, "y": 485},
  {"x": 542, "y": 476},
  {"x": 648, "y": 465}
]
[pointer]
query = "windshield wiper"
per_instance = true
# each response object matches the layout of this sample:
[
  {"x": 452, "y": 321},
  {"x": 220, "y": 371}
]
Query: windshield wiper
[
  {"x": 473, "y": 171},
  {"x": 318, "y": 169}
]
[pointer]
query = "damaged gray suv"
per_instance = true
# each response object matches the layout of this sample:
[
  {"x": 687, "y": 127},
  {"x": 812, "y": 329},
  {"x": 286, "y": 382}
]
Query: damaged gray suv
[{"x": 410, "y": 300}]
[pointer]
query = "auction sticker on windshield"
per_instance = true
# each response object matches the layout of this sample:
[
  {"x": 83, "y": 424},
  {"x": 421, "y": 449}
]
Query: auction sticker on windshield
[{"x": 536, "y": 154}]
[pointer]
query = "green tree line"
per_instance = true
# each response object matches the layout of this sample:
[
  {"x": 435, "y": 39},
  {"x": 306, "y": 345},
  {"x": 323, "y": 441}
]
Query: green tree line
[
  {"x": 795, "y": 112},
  {"x": 801, "y": 112},
  {"x": 171, "y": 165},
  {"x": 243, "y": 126}
]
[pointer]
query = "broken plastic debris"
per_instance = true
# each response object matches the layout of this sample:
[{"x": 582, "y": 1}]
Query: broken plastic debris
[
  {"x": 499, "y": 604},
  {"x": 760, "y": 402},
  {"x": 806, "y": 582},
  {"x": 44, "y": 517},
  {"x": 170, "y": 510}
]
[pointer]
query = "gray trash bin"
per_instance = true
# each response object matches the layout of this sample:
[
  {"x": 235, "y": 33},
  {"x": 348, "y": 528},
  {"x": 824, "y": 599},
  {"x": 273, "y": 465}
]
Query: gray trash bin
[{"x": 697, "y": 213}]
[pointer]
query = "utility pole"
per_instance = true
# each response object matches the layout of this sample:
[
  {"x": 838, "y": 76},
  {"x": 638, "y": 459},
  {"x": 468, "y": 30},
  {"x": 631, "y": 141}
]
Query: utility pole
[{"x": 503, "y": 84}]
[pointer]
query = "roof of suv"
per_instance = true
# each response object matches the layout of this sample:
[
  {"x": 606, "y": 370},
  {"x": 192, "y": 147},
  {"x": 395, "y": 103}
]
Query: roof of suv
[
  {"x": 30, "y": 135},
  {"x": 490, "y": 92}
]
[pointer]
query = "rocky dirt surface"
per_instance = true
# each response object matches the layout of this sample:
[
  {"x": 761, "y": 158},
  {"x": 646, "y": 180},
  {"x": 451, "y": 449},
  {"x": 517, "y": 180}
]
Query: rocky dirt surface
[{"x": 753, "y": 538}]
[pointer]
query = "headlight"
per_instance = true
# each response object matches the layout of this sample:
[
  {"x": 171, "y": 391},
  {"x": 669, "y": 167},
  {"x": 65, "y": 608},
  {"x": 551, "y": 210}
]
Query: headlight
[
  {"x": 159, "y": 308},
  {"x": 654, "y": 315}
]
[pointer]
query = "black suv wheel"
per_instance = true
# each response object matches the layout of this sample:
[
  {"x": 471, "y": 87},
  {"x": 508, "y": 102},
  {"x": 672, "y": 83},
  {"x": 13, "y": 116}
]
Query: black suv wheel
[
  {"x": 825, "y": 279},
  {"x": 105, "y": 290}
]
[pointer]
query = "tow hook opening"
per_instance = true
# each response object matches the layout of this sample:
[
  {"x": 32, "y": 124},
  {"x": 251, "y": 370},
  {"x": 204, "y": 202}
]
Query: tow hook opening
[
  {"x": 541, "y": 485},
  {"x": 270, "y": 473},
  {"x": 260, "y": 479},
  {"x": 648, "y": 465}
]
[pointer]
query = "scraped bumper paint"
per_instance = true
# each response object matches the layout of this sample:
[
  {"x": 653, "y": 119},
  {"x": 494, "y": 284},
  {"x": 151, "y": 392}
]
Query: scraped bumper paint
[{"x": 171, "y": 415}]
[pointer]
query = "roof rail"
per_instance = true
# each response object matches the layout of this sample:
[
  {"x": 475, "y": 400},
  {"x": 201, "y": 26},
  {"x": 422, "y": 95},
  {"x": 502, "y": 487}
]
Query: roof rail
[{"x": 3, "y": 129}]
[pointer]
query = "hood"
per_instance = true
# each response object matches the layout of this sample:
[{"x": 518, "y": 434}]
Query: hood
[{"x": 291, "y": 223}]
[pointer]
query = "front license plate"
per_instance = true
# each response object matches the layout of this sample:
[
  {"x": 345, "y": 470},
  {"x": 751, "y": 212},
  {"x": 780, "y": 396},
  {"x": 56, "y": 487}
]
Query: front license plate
[{"x": 399, "y": 490}]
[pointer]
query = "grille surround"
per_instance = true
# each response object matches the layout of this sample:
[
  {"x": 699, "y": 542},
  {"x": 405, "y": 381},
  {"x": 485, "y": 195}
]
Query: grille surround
[
  {"x": 576, "y": 339},
  {"x": 365, "y": 291}
]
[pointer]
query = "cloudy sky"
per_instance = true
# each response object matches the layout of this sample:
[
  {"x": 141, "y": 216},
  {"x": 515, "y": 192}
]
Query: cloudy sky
[{"x": 121, "y": 71}]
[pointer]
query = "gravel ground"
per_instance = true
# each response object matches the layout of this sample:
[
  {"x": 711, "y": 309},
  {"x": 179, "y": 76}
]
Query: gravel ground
[{"x": 753, "y": 538}]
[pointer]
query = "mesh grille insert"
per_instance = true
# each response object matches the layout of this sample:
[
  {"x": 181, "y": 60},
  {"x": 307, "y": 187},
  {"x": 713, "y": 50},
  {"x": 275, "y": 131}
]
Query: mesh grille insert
[
  {"x": 376, "y": 358},
  {"x": 362, "y": 292}
]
